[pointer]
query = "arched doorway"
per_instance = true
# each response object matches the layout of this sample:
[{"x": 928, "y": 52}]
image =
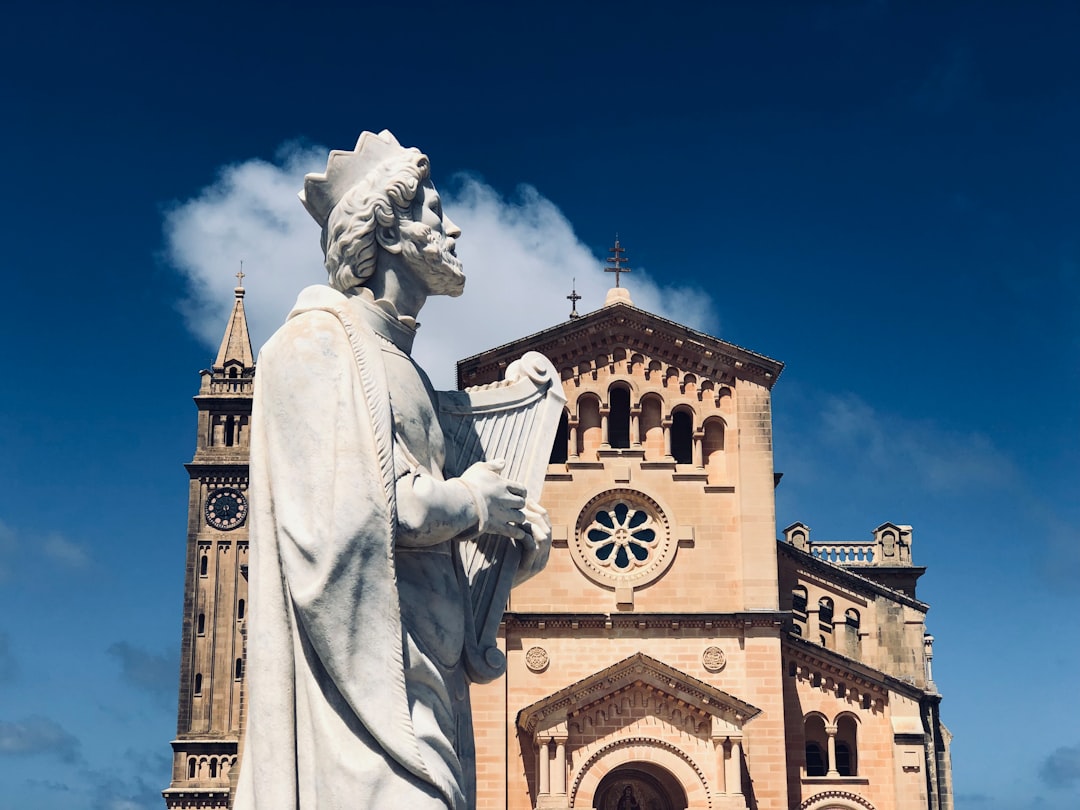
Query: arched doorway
[{"x": 639, "y": 786}]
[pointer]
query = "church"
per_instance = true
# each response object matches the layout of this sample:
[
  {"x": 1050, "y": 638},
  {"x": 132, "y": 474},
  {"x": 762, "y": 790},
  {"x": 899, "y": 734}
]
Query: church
[{"x": 678, "y": 652}]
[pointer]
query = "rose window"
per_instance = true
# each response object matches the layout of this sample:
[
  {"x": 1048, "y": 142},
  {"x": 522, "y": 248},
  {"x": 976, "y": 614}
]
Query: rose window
[
  {"x": 622, "y": 539},
  {"x": 622, "y": 536}
]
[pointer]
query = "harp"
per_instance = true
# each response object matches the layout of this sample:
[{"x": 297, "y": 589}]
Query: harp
[{"x": 515, "y": 420}]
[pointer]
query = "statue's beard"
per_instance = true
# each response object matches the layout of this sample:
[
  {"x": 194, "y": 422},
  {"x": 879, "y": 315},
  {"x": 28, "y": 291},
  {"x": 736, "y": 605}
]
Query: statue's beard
[{"x": 432, "y": 256}]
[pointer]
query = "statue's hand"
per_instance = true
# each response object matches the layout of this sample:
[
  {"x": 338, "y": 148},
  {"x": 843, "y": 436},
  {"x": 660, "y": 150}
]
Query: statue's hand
[
  {"x": 537, "y": 546},
  {"x": 500, "y": 501}
]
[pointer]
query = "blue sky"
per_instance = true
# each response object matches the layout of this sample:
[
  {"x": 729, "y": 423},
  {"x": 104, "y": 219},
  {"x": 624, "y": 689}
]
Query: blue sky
[{"x": 884, "y": 196}]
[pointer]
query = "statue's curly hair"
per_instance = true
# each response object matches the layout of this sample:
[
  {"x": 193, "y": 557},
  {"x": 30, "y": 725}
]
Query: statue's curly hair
[{"x": 383, "y": 199}]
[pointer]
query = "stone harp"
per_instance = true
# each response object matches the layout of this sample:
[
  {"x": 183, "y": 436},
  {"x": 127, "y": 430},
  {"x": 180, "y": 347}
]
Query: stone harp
[{"x": 515, "y": 420}]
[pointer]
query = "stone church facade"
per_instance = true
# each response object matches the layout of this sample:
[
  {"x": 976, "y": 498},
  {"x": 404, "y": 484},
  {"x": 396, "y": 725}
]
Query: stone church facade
[{"x": 674, "y": 653}]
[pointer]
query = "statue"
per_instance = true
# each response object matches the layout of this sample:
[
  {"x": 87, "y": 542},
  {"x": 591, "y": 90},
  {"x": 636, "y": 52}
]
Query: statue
[{"x": 358, "y": 687}]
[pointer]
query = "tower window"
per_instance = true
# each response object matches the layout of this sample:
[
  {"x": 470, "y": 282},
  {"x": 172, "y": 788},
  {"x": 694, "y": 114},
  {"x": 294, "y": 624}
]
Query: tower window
[
  {"x": 682, "y": 437},
  {"x": 204, "y": 565},
  {"x": 201, "y": 624},
  {"x": 230, "y": 429},
  {"x": 240, "y": 609},
  {"x": 198, "y": 683},
  {"x": 239, "y": 668},
  {"x": 619, "y": 417}
]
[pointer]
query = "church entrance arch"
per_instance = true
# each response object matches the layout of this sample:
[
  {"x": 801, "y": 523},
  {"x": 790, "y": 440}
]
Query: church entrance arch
[{"x": 639, "y": 786}]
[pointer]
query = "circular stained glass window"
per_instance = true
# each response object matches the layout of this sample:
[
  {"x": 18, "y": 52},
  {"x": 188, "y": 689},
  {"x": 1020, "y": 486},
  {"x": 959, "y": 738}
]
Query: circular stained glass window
[{"x": 622, "y": 537}]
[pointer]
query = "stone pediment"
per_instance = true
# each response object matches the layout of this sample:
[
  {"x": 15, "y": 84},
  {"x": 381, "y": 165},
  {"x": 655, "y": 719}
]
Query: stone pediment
[
  {"x": 683, "y": 699},
  {"x": 620, "y": 325}
]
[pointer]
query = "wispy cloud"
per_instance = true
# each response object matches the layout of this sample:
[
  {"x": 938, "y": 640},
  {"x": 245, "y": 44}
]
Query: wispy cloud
[
  {"x": 136, "y": 788},
  {"x": 880, "y": 448},
  {"x": 150, "y": 672},
  {"x": 520, "y": 253},
  {"x": 1061, "y": 769},
  {"x": 53, "y": 546},
  {"x": 63, "y": 551},
  {"x": 37, "y": 735}
]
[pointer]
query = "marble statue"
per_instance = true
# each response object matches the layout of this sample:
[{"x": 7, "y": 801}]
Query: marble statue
[{"x": 358, "y": 692}]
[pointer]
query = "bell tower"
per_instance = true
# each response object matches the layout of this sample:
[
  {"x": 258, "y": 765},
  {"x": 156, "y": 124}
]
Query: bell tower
[{"x": 210, "y": 706}]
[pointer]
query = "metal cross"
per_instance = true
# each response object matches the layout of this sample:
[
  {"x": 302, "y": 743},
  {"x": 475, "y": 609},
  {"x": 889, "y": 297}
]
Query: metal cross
[
  {"x": 616, "y": 260},
  {"x": 240, "y": 275},
  {"x": 573, "y": 298}
]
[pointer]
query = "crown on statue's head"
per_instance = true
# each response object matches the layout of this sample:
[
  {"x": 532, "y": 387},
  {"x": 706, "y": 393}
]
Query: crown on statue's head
[{"x": 344, "y": 170}]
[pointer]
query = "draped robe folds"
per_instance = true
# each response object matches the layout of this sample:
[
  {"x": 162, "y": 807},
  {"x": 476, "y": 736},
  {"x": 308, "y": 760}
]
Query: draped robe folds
[{"x": 348, "y": 705}]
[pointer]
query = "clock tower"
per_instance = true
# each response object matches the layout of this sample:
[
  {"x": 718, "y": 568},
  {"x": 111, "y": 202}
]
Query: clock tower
[{"x": 210, "y": 712}]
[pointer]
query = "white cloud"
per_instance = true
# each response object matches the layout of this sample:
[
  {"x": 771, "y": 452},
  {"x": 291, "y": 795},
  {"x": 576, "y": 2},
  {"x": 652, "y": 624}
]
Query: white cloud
[
  {"x": 61, "y": 550},
  {"x": 520, "y": 254}
]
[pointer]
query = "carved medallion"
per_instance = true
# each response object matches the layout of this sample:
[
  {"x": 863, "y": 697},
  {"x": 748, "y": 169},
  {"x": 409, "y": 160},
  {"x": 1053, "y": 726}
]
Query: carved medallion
[
  {"x": 713, "y": 659},
  {"x": 536, "y": 659}
]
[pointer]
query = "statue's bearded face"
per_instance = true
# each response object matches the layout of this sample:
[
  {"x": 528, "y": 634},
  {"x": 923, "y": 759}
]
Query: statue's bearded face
[{"x": 428, "y": 244}]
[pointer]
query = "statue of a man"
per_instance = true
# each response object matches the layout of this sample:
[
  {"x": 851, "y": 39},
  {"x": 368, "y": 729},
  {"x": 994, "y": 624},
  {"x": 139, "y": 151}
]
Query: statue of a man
[{"x": 357, "y": 693}]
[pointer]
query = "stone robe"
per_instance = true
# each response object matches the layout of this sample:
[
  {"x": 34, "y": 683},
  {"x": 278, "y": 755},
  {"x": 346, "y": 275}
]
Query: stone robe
[{"x": 356, "y": 694}]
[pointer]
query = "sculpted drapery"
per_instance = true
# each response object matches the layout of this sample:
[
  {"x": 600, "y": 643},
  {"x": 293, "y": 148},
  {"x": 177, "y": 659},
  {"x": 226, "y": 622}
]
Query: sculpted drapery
[{"x": 357, "y": 695}]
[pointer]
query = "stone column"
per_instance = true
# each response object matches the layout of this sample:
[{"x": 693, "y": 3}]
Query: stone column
[
  {"x": 698, "y": 438},
  {"x": 635, "y": 426},
  {"x": 665, "y": 424},
  {"x": 560, "y": 766},
  {"x": 605, "y": 410},
  {"x": 928, "y": 656},
  {"x": 572, "y": 424},
  {"x": 543, "y": 767},
  {"x": 831, "y": 731},
  {"x": 733, "y": 776}
]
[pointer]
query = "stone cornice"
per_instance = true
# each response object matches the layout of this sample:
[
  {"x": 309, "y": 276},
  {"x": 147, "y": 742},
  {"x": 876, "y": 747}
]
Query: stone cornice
[
  {"x": 622, "y": 324},
  {"x": 645, "y": 621},
  {"x": 849, "y": 578},
  {"x": 840, "y": 666},
  {"x": 637, "y": 670}
]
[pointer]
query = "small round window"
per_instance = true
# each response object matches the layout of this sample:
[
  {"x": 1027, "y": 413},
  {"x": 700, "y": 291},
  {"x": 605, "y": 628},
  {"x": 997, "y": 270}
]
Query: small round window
[{"x": 622, "y": 537}]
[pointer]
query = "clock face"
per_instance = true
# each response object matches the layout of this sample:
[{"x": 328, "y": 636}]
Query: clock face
[{"x": 226, "y": 509}]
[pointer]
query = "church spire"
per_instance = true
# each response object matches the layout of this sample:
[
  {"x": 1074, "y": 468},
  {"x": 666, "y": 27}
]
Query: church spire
[{"x": 236, "y": 345}]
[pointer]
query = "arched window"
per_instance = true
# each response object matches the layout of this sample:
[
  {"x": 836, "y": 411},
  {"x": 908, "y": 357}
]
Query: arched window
[
  {"x": 204, "y": 565},
  {"x": 198, "y": 683},
  {"x": 239, "y": 668},
  {"x": 618, "y": 425},
  {"x": 201, "y": 624},
  {"x": 560, "y": 447},
  {"x": 230, "y": 429},
  {"x": 213, "y": 767},
  {"x": 240, "y": 609},
  {"x": 817, "y": 746},
  {"x": 682, "y": 437},
  {"x": 798, "y": 599},
  {"x": 846, "y": 745},
  {"x": 191, "y": 768},
  {"x": 588, "y": 425},
  {"x": 851, "y": 618},
  {"x": 712, "y": 446},
  {"x": 825, "y": 613}
]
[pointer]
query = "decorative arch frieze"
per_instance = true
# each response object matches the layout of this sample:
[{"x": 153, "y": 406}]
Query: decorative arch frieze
[
  {"x": 838, "y": 799},
  {"x": 585, "y": 778}
]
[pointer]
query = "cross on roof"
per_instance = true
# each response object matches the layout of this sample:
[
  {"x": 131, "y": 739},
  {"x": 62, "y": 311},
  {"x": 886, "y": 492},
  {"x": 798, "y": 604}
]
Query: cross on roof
[
  {"x": 616, "y": 261},
  {"x": 573, "y": 298},
  {"x": 240, "y": 275}
]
